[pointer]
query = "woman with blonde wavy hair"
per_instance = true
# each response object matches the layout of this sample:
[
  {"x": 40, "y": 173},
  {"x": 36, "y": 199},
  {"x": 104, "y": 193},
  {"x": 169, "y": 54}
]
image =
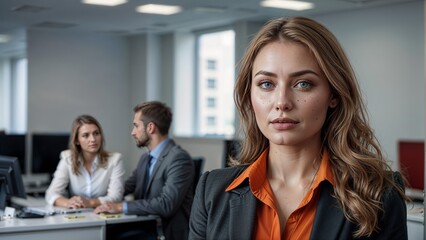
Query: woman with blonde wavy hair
[
  {"x": 310, "y": 166},
  {"x": 87, "y": 175}
]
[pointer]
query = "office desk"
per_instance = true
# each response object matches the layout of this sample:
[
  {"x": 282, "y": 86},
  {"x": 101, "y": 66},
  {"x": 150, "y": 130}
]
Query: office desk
[
  {"x": 415, "y": 219},
  {"x": 86, "y": 226}
]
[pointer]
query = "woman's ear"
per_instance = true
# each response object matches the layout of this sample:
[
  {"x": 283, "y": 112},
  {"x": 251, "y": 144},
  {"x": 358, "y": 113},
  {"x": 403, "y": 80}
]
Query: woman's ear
[{"x": 333, "y": 102}]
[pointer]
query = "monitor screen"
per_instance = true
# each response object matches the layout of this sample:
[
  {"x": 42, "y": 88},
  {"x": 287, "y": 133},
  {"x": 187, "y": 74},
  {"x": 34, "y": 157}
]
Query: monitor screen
[
  {"x": 11, "y": 183},
  {"x": 411, "y": 162},
  {"x": 14, "y": 145},
  {"x": 46, "y": 149}
]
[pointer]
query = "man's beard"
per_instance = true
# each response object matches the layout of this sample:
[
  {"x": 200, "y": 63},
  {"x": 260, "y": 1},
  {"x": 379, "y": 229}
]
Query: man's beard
[{"x": 144, "y": 143}]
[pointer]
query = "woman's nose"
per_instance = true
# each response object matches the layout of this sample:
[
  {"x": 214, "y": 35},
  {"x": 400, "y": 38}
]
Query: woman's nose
[
  {"x": 283, "y": 101},
  {"x": 91, "y": 137}
]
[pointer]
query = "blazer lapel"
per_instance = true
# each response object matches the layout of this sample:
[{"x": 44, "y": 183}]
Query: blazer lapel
[
  {"x": 243, "y": 213},
  {"x": 160, "y": 159},
  {"x": 329, "y": 221},
  {"x": 162, "y": 156}
]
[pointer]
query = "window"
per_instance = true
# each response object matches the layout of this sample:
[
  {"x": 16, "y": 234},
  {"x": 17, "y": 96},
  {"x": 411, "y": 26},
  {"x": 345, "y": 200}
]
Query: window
[
  {"x": 211, "y": 102},
  {"x": 211, "y": 83},
  {"x": 204, "y": 79},
  {"x": 13, "y": 95},
  {"x": 211, "y": 64},
  {"x": 211, "y": 121},
  {"x": 216, "y": 49}
]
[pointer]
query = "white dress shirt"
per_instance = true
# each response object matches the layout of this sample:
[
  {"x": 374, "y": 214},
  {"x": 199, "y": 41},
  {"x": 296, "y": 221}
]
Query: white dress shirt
[{"x": 106, "y": 183}]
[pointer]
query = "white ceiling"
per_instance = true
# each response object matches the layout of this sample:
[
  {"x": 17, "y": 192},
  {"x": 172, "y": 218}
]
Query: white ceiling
[
  {"x": 123, "y": 19},
  {"x": 72, "y": 15}
]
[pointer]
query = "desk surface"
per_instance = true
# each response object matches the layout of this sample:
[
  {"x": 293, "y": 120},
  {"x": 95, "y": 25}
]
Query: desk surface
[
  {"x": 85, "y": 219},
  {"x": 415, "y": 212}
]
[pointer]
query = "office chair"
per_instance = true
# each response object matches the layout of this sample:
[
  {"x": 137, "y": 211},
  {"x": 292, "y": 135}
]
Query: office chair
[
  {"x": 231, "y": 148},
  {"x": 198, "y": 165}
]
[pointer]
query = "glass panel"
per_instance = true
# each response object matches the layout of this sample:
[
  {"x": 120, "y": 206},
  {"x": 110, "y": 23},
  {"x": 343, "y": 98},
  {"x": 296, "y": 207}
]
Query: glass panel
[{"x": 216, "y": 67}]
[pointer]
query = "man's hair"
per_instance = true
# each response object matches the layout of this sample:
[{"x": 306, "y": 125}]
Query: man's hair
[{"x": 156, "y": 112}]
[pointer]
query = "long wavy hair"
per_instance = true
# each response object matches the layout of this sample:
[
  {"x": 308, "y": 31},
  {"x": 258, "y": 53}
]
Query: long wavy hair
[
  {"x": 360, "y": 171},
  {"x": 76, "y": 150}
]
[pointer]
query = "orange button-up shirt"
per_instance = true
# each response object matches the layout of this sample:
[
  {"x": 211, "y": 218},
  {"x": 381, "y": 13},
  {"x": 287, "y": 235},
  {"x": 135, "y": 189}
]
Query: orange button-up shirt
[{"x": 300, "y": 222}]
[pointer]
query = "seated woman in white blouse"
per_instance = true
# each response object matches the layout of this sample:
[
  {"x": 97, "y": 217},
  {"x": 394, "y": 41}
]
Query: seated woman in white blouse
[{"x": 87, "y": 175}]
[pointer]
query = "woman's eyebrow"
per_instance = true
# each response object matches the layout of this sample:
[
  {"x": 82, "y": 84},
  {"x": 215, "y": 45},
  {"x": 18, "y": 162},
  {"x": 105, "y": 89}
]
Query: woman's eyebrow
[
  {"x": 266, "y": 73},
  {"x": 303, "y": 72},
  {"x": 294, "y": 74}
]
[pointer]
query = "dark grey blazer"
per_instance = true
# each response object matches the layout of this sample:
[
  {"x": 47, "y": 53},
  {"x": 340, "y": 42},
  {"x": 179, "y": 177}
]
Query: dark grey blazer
[
  {"x": 169, "y": 192},
  {"x": 217, "y": 214}
]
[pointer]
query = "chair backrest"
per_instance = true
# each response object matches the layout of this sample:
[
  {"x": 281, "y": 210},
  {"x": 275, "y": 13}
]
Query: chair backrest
[
  {"x": 198, "y": 165},
  {"x": 231, "y": 148}
]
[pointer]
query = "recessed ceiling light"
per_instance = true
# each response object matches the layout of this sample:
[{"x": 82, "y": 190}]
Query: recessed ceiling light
[
  {"x": 104, "y": 2},
  {"x": 287, "y": 4},
  {"x": 159, "y": 9}
]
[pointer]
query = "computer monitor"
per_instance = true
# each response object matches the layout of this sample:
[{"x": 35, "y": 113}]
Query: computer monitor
[
  {"x": 11, "y": 183},
  {"x": 46, "y": 149},
  {"x": 14, "y": 145},
  {"x": 411, "y": 162}
]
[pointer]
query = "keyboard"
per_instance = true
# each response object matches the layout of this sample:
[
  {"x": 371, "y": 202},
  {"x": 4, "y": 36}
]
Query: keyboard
[{"x": 24, "y": 214}]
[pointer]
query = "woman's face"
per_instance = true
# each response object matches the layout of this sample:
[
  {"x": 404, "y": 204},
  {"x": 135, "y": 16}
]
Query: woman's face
[
  {"x": 89, "y": 138},
  {"x": 290, "y": 94}
]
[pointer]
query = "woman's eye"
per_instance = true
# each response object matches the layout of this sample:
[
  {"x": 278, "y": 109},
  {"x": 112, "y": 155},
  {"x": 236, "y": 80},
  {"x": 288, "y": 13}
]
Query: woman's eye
[
  {"x": 304, "y": 84},
  {"x": 266, "y": 85}
]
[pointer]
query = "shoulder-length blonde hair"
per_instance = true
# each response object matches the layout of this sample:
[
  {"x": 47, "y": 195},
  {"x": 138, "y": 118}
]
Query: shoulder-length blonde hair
[
  {"x": 76, "y": 149},
  {"x": 360, "y": 171}
]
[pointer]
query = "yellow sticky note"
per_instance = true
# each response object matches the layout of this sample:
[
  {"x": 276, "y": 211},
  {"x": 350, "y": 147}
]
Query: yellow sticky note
[{"x": 109, "y": 215}]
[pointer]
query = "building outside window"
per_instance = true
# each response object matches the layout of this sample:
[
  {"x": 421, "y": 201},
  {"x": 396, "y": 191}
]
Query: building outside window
[
  {"x": 211, "y": 83},
  {"x": 211, "y": 121},
  {"x": 211, "y": 102},
  {"x": 216, "y": 63},
  {"x": 211, "y": 64}
]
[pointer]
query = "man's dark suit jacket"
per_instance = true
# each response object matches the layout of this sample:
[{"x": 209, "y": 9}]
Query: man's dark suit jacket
[
  {"x": 217, "y": 214},
  {"x": 169, "y": 192}
]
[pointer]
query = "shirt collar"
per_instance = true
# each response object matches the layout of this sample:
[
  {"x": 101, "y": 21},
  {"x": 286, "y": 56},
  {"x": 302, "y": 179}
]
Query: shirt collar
[
  {"x": 256, "y": 173},
  {"x": 94, "y": 164},
  {"x": 155, "y": 152}
]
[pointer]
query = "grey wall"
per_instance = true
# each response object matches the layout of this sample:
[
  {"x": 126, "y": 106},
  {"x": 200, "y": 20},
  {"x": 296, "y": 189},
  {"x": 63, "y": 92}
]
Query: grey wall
[
  {"x": 386, "y": 47},
  {"x": 73, "y": 74}
]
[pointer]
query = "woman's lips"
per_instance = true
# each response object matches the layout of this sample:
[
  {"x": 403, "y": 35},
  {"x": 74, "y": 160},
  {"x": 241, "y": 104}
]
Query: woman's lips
[{"x": 284, "y": 123}]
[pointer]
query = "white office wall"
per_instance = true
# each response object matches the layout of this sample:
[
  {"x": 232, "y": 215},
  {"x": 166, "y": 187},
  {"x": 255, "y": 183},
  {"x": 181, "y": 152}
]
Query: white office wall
[
  {"x": 184, "y": 78},
  {"x": 145, "y": 68},
  {"x": 78, "y": 73}
]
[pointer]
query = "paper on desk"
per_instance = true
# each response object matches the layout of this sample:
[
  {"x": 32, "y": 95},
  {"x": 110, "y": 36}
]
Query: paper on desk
[{"x": 109, "y": 215}]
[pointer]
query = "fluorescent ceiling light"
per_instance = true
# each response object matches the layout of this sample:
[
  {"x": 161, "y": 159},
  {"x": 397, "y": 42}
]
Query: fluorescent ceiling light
[
  {"x": 104, "y": 2},
  {"x": 159, "y": 9},
  {"x": 287, "y": 4}
]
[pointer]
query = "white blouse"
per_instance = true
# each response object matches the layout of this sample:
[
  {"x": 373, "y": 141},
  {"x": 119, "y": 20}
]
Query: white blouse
[{"x": 106, "y": 184}]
